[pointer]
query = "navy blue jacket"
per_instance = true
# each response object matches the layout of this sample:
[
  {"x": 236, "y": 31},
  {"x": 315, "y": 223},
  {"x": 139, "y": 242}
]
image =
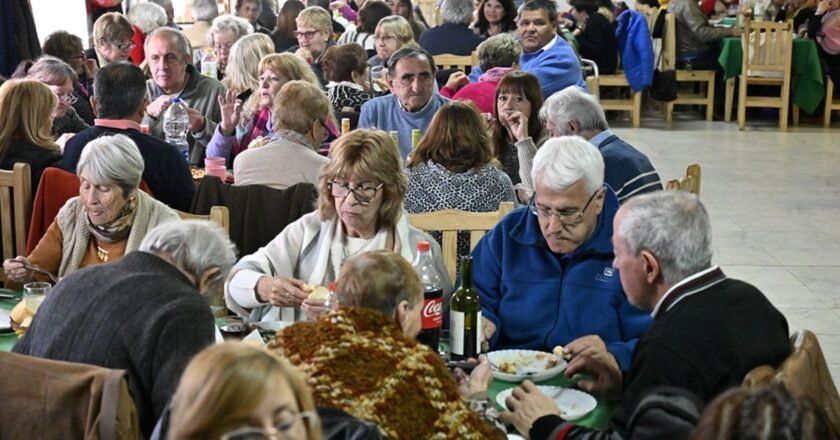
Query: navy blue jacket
[
  {"x": 166, "y": 171},
  {"x": 455, "y": 39},
  {"x": 538, "y": 299},
  {"x": 626, "y": 169}
]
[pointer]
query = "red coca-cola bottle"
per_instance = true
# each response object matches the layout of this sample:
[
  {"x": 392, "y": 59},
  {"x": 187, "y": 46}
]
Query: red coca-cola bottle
[{"x": 432, "y": 312}]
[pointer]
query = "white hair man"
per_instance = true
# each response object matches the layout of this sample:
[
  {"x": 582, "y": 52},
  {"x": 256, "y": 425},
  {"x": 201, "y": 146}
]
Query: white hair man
[
  {"x": 708, "y": 331},
  {"x": 173, "y": 75},
  {"x": 544, "y": 272},
  {"x": 143, "y": 313},
  {"x": 454, "y": 34},
  {"x": 627, "y": 170}
]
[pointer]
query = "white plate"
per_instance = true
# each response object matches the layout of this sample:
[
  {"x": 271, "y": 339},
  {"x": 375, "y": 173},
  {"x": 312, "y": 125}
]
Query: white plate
[
  {"x": 534, "y": 362},
  {"x": 274, "y": 326},
  {"x": 573, "y": 404}
]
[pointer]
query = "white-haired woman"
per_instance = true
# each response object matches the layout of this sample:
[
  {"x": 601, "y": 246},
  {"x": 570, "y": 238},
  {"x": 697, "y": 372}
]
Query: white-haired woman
[
  {"x": 203, "y": 13},
  {"x": 109, "y": 218},
  {"x": 242, "y": 76},
  {"x": 224, "y": 32},
  {"x": 59, "y": 77},
  {"x": 145, "y": 17}
]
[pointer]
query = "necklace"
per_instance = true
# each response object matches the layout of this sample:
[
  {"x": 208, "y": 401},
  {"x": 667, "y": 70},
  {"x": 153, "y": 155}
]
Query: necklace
[
  {"x": 345, "y": 253},
  {"x": 102, "y": 254}
]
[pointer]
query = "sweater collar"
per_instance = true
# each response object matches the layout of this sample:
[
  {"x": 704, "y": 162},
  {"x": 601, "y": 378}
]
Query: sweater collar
[
  {"x": 690, "y": 285},
  {"x": 599, "y": 138}
]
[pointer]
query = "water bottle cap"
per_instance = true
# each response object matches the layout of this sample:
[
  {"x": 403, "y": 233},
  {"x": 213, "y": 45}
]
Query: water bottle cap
[
  {"x": 176, "y": 99},
  {"x": 423, "y": 246},
  {"x": 332, "y": 287}
]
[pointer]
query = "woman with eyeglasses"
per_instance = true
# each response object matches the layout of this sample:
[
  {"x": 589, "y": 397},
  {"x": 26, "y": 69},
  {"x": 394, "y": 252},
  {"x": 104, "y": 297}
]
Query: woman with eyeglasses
[
  {"x": 314, "y": 36},
  {"x": 391, "y": 34},
  {"x": 360, "y": 207},
  {"x": 290, "y": 156},
  {"x": 68, "y": 48},
  {"x": 112, "y": 39},
  {"x": 224, "y": 32},
  {"x": 59, "y": 77},
  {"x": 237, "y": 391}
]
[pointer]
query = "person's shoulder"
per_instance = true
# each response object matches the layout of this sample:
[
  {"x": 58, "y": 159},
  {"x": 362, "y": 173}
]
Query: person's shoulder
[{"x": 380, "y": 102}]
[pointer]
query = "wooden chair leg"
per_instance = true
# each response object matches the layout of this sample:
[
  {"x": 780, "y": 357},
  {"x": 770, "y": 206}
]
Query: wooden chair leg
[
  {"x": 795, "y": 115},
  {"x": 669, "y": 111},
  {"x": 783, "y": 111},
  {"x": 727, "y": 103},
  {"x": 710, "y": 99},
  {"x": 636, "y": 114},
  {"x": 829, "y": 99},
  {"x": 742, "y": 104}
]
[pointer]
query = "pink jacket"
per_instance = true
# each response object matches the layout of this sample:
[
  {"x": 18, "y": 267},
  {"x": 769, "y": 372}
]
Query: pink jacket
[{"x": 482, "y": 93}]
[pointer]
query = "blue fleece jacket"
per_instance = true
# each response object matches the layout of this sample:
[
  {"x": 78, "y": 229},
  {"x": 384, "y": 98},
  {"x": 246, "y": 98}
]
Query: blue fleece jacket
[
  {"x": 386, "y": 113},
  {"x": 538, "y": 299},
  {"x": 633, "y": 36}
]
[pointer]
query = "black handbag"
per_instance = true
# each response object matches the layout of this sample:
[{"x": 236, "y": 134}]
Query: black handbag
[{"x": 664, "y": 87}]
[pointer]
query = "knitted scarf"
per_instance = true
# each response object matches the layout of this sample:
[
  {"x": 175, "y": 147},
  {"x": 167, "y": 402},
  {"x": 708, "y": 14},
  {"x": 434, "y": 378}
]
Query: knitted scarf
[{"x": 359, "y": 361}]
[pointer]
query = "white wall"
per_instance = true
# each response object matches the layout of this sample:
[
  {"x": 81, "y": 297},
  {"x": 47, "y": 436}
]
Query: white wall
[{"x": 54, "y": 15}]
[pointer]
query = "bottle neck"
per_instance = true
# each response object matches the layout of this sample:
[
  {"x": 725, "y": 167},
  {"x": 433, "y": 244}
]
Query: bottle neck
[{"x": 466, "y": 273}]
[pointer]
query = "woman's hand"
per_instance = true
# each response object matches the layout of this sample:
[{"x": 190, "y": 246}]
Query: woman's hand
[
  {"x": 305, "y": 55},
  {"x": 314, "y": 308},
  {"x": 231, "y": 110},
  {"x": 62, "y": 140},
  {"x": 457, "y": 80},
  {"x": 15, "y": 269},
  {"x": 516, "y": 123},
  {"x": 91, "y": 69},
  {"x": 281, "y": 291},
  {"x": 478, "y": 380}
]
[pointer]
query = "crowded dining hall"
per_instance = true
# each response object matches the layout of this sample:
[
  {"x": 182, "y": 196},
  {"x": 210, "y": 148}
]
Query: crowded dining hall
[{"x": 419, "y": 219}]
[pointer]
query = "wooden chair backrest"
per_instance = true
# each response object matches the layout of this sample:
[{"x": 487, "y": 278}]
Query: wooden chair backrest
[
  {"x": 430, "y": 10},
  {"x": 461, "y": 62},
  {"x": 15, "y": 208},
  {"x": 690, "y": 182},
  {"x": 218, "y": 214},
  {"x": 767, "y": 47},
  {"x": 450, "y": 221},
  {"x": 669, "y": 43}
]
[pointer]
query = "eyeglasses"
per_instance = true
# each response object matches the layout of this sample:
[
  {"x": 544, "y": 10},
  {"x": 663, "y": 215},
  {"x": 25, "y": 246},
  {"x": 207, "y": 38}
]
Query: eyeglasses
[
  {"x": 569, "y": 218},
  {"x": 218, "y": 47},
  {"x": 306, "y": 35},
  {"x": 78, "y": 57},
  {"x": 279, "y": 430},
  {"x": 384, "y": 37},
  {"x": 363, "y": 194},
  {"x": 66, "y": 98},
  {"x": 124, "y": 45}
]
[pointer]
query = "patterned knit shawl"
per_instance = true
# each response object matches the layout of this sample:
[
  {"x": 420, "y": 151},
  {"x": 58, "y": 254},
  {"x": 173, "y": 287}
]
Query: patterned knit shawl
[{"x": 359, "y": 361}]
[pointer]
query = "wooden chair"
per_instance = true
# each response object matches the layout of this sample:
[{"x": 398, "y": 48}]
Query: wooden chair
[
  {"x": 463, "y": 63},
  {"x": 450, "y": 221},
  {"x": 15, "y": 209},
  {"x": 705, "y": 78},
  {"x": 690, "y": 182},
  {"x": 218, "y": 214},
  {"x": 767, "y": 57},
  {"x": 430, "y": 11},
  {"x": 633, "y": 104},
  {"x": 805, "y": 374},
  {"x": 830, "y": 103}
]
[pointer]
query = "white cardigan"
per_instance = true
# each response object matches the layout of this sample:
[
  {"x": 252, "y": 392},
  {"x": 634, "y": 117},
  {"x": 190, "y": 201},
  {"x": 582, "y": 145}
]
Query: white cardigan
[{"x": 294, "y": 254}]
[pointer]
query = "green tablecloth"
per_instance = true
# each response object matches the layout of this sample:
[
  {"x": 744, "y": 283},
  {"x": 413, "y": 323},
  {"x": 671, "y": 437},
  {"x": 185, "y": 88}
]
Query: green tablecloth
[
  {"x": 598, "y": 418},
  {"x": 807, "y": 86},
  {"x": 8, "y": 340}
]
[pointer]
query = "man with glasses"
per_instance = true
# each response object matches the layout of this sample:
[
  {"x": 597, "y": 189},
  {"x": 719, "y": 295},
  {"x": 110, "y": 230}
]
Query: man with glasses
[
  {"x": 413, "y": 100},
  {"x": 544, "y": 273}
]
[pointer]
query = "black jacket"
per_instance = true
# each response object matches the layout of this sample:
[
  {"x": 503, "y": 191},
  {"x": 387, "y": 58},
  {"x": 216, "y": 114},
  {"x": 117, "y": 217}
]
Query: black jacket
[{"x": 38, "y": 159}]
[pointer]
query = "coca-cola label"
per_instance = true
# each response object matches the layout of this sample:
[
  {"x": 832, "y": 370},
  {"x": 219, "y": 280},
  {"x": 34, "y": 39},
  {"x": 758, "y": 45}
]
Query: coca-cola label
[{"x": 432, "y": 313}]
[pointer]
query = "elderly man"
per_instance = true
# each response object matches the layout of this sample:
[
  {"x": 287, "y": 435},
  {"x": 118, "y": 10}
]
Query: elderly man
[
  {"x": 413, "y": 100},
  {"x": 168, "y": 55},
  {"x": 544, "y": 272},
  {"x": 143, "y": 313},
  {"x": 574, "y": 112},
  {"x": 119, "y": 101},
  {"x": 709, "y": 330},
  {"x": 454, "y": 36},
  {"x": 696, "y": 37},
  {"x": 203, "y": 13}
]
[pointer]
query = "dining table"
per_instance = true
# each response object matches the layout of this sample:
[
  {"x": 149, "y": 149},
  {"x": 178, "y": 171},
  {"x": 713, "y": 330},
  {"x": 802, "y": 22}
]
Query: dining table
[
  {"x": 807, "y": 87},
  {"x": 8, "y": 339}
]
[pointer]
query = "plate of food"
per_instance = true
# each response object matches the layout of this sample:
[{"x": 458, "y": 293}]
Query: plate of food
[
  {"x": 517, "y": 365},
  {"x": 573, "y": 404}
]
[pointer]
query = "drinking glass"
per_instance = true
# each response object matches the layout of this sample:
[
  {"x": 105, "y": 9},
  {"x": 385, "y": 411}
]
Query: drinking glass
[{"x": 34, "y": 294}]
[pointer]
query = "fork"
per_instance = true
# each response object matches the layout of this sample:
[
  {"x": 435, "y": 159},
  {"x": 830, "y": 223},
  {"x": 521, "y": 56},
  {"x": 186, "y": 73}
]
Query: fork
[{"x": 39, "y": 269}]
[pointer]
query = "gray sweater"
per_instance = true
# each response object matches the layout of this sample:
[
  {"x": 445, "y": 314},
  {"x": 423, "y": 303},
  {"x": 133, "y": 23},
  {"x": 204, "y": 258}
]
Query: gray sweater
[{"x": 139, "y": 314}]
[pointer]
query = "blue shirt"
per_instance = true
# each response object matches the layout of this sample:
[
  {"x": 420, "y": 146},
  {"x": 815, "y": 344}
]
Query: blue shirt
[{"x": 386, "y": 113}]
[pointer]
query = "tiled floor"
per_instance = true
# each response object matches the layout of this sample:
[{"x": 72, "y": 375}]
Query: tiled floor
[{"x": 774, "y": 200}]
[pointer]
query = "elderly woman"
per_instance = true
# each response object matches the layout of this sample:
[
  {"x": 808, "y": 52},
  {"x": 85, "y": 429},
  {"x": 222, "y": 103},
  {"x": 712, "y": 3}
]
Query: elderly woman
[
  {"x": 240, "y": 75},
  {"x": 495, "y": 17},
  {"x": 226, "y": 30},
  {"x": 595, "y": 36},
  {"x": 360, "y": 208},
  {"x": 517, "y": 130},
  {"x": 824, "y": 28},
  {"x": 243, "y": 123},
  {"x": 345, "y": 67},
  {"x": 59, "y": 77},
  {"x": 68, "y": 48},
  {"x": 26, "y": 106},
  {"x": 112, "y": 39},
  {"x": 145, "y": 17},
  {"x": 454, "y": 36},
  {"x": 203, "y": 13},
  {"x": 364, "y": 359},
  {"x": 284, "y": 33},
  {"x": 497, "y": 57},
  {"x": 314, "y": 32},
  {"x": 369, "y": 15},
  {"x": 299, "y": 118},
  {"x": 454, "y": 160},
  {"x": 109, "y": 218},
  {"x": 405, "y": 9},
  {"x": 392, "y": 34},
  {"x": 250, "y": 10},
  {"x": 238, "y": 391}
]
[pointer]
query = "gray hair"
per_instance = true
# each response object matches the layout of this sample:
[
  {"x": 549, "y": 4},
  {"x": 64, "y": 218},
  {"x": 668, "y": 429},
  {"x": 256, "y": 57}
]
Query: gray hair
[
  {"x": 244, "y": 58},
  {"x": 194, "y": 246},
  {"x": 173, "y": 35},
  {"x": 239, "y": 26},
  {"x": 561, "y": 162},
  {"x": 672, "y": 225},
  {"x": 409, "y": 52},
  {"x": 498, "y": 51},
  {"x": 147, "y": 16},
  {"x": 112, "y": 160},
  {"x": 51, "y": 71},
  {"x": 204, "y": 10},
  {"x": 457, "y": 11},
  {"x": 574, "y": 104}
]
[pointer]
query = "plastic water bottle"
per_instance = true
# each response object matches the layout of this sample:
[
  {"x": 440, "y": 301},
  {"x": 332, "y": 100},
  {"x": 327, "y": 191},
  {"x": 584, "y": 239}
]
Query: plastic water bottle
[
  {"x": 176, "y": 122},
  {"x": 210, "y": 64}
]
